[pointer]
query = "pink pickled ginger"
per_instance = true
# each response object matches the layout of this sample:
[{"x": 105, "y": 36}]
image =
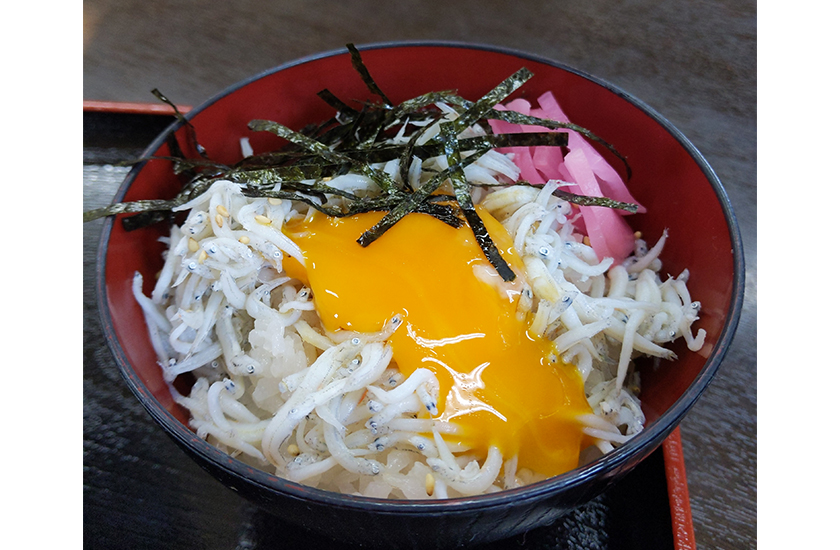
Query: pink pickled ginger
[{"x": 583, "y": 166}]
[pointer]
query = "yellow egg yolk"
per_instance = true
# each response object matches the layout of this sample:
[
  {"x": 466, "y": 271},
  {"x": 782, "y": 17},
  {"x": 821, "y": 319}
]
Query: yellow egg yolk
[{"x": 498, "y": 382}]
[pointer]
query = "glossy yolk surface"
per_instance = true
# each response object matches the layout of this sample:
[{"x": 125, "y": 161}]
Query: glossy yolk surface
[{"x": 497, "y": 380}]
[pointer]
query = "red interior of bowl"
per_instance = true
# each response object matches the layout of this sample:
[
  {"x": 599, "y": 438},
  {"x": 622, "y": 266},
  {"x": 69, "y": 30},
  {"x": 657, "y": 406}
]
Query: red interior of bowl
[{"x": 666, "y": 179}]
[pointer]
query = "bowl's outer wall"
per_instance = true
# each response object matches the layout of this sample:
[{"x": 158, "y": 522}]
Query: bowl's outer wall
[
  {"x": 448, "y": 527},
  {"x": 667, "y": 178}
]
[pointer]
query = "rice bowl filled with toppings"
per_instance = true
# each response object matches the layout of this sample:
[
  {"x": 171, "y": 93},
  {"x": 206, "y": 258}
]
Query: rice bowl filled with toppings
[{"x": 425, "y": 312}]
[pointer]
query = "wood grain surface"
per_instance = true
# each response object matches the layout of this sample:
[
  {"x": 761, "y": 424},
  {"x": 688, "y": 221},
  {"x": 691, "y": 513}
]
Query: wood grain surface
[{"x": 693, "y": 62}]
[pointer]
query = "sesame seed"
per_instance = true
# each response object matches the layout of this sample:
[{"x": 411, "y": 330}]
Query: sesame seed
[
  {"x": 244, "y": 239},
  {"x": 192, "y": 244},
  {"x": 430, "y": 484},
  {"x": 222, "y": 211},
  {"x": 202, "y": 256},
  {"x": 220, "y": 220},
  {"x": 274, "y": 201},
  {"x": 293, "y": 449},
  {"x": 264, "y": 220}
]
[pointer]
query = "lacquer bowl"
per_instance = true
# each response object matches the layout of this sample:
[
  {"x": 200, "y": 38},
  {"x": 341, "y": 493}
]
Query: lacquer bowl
[{"x": 669, "y": 176}]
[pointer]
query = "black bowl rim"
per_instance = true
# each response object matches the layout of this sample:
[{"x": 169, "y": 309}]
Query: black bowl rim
[{"x": 608, "y": 465}]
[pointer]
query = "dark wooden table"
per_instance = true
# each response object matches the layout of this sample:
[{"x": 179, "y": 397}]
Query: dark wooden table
[{"x": 694, "y": 62}]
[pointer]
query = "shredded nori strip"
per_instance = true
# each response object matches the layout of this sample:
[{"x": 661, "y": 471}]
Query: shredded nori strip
[
  {"x": 421, "y": 102},
  {"x": 462, "y": 195},
  {"x": 191, "y": 135},
  {"x": 408, "y": 153},
  {"x": 586, "y": 200},
  {"x": 580, "y": 200},
  {"x": 132, "y": 207},
  {"x": 492, "y": 98},
  {"x": 360, "y": 67},
  {"x": 145, "y": 219},
  {"x": 356, "y": 139},
  {"x": 343, "y": 109}
]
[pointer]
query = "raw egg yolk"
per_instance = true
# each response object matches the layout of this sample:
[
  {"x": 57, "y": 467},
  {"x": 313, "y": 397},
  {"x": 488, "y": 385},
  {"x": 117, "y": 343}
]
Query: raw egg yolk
[{"x": 499, "y": 383}]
